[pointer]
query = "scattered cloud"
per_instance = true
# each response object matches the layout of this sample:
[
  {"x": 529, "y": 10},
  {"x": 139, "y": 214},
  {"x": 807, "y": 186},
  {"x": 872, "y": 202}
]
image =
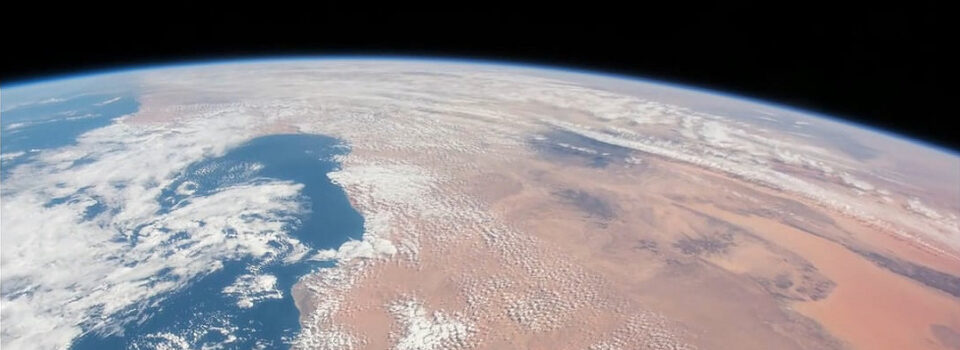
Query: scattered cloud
[
  {"x": 251, "y": 288},
  {"x": 133, "y": 253},
  {"x": 425, "y": 331}
]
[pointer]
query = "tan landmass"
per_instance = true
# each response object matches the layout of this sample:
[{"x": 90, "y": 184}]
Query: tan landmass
[
  {"x": 511, "y": 211},
  {"x": 652, "y": 245}
]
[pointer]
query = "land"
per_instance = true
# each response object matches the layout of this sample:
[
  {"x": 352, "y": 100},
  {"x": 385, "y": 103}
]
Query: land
[
  {"x": 583, "y": 260},
  {"x": 522, "y": 212}
]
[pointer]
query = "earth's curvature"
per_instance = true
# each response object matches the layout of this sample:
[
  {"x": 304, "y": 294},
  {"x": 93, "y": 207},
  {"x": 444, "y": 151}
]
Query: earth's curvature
[{"x": 419, "y": 204}]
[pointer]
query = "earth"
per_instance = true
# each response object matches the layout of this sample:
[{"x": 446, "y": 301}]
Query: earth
[{"x": 356, "y": 203}]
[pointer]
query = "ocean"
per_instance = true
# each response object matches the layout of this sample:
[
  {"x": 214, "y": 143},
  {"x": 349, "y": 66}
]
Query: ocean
[
  {"x": 203, "y": 313},
  {"x": 206, "y": 313}
]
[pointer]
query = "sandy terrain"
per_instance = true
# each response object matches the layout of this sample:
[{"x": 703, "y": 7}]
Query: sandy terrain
[
  {"x": 505, "y": 213},
  {"x": 639, "y": 240}
]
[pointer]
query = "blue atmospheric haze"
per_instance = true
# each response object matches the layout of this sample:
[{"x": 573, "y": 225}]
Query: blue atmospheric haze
[{"x": 303, "y": 159}]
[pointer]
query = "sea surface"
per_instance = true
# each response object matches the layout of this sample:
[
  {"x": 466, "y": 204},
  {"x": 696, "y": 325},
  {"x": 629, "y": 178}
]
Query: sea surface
[
  {"x": 54, "y": 123},
  {"x": 203, "y": 314}
]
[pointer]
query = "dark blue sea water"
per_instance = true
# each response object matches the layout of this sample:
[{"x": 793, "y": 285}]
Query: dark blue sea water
[
  {"x": 272, "y": 323},
  {"x": 56, "y": 124},
  {"x": 202, "y": 313}
]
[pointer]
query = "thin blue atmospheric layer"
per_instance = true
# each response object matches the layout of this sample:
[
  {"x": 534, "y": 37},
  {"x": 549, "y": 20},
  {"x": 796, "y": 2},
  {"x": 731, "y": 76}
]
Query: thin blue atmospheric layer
[
  {"x": 32, "y": 128},
  {"x": 201, "y": 311}
]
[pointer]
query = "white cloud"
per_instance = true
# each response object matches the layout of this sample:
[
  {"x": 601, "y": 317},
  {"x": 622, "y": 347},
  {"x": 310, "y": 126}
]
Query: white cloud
[
  {"x": 50, "y": 286},
  {"x": 916, "y": 206},
  {"x": 374, "y": 245},
  {"x": 106, "y": 102},
  {"x": 168, "y": 341},
  {"x": 11, "y": 155},
  {"x": 424, "y": 331},
  {"x": 855, "y": 182},
  {"x": 63, "y": 274},
  {"x": 251, "y": 288},
  {"x": 211, "y": 332}
]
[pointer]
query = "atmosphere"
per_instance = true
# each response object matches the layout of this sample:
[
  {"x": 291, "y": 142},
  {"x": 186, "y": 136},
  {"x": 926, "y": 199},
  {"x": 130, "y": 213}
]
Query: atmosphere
[
  {"x": 878, "y": 65},
  {"x": 347, "y": 203},
  {"x": 337, "y": 176}
]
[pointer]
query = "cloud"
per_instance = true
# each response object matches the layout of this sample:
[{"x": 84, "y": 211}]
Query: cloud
[
  {"x": 916, "y": 206},
  {"x": 131, "y": 252},
  {"x": 851, "y": 180},
  {"x": 11, "y": 155},
  {"x": 106, "y": 102},
  {"x": 251, "y": 288},
  {"x": 423, "y": 331},
  {"x": 372, "y": 246},
  {"x": 69, "y": 269}
]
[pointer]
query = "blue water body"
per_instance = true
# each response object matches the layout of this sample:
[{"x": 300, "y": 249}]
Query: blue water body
[
  {"x": 331, "y": 221},
  {"x": 40, "y": 126}
]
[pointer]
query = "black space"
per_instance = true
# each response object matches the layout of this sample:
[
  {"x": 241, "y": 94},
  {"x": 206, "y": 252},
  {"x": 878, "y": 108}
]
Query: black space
[{"x": 880, "y": 66}]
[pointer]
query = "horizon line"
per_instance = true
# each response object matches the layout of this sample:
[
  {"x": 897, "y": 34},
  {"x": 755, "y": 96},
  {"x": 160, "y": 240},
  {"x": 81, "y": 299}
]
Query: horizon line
[{"x": 159, "y": 65}]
